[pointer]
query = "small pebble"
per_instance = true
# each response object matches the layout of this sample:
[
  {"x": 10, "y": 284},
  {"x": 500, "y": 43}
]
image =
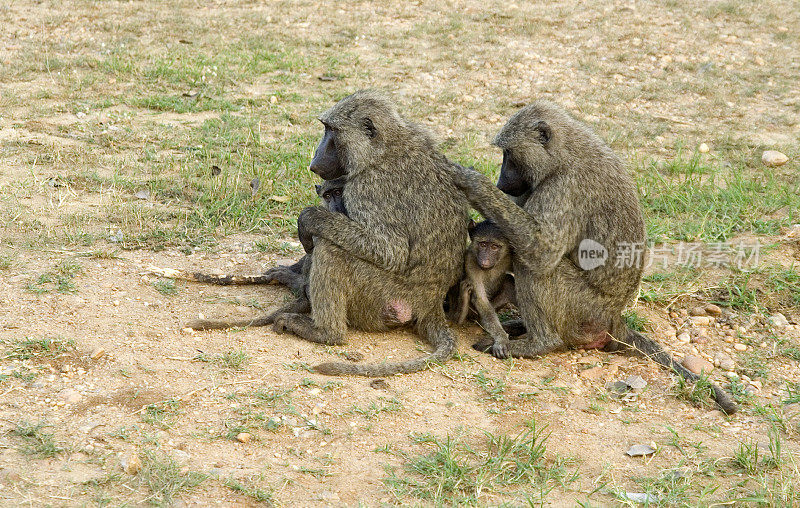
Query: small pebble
[
  {"x": 740, "y": 347},
  {"x": 243, "y": 437},
  {"x": 703, "y": 148},
  {"x": 700, "y": 320},
  {"x": 778, "y": 320},
  {"x": 684, "y": 338},
  {"x": 697, "y": 365},
  {"x": 697, "y": 311},
  {"x": 773, "y": 158},
  {"x": 713, "y": 310}
]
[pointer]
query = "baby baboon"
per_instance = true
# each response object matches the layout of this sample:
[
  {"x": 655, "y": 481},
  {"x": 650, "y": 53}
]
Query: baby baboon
[
  {"x": 488, "y": 283},
  {"x": 291, "y": 276},
  {"x": 403, "y": 244},
  {"x": 294, "y": 276},
  {"x": 582, "y": 212}
]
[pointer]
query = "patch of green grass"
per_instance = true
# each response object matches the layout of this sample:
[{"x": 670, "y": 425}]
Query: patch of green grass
[
  {"x": 634, "y": 321},
  {"x": 698, "y": 393},
  {"x": 258, "y": 494},
  {"x": 455, "y": 474},
  {"x": 375, "y": 408},
  {"x": 36, "y": 441},
  {"x": 6, "y": 261},
  {"x": 689, "y": 199},
  {"x": 44, "y": 348},
  {"x": 233, "y": 360},
  {"x": 166, "y": 478},
  {"x": 58, "y": 279},
  {"x": 162, "y": 414},
  {"x": 494, "y": 388},
  {"x": 166, "y": 287}
]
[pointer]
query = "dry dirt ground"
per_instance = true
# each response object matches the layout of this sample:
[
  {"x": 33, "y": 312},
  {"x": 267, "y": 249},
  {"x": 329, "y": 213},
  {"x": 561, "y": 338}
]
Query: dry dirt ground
[{"x": 115, "y": 118}]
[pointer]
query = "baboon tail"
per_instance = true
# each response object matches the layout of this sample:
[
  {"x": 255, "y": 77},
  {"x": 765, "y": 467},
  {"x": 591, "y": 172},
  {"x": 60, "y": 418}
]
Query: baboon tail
[
  {"x": 210, "y": 324},
  {"x": 435, "y": 331},
  {"x": 653, "y": 350},
  {"x": 232, "y": 280}
]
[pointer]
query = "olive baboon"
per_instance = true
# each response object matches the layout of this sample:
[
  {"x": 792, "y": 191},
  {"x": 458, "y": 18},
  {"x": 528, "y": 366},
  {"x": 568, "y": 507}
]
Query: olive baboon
[
  {"x": 294, "y": 276},
  {"x": 488, "y": 283},
  {"x": 289, "y": 275},
  {"x": 582, "y": 210},
  {"x": 403, "y": 244}
]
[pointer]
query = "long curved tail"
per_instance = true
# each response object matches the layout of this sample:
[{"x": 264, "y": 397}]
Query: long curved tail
[
  {"x": 653, "y": 350},
  {"x": 211, "y": 324},
  {"x": 231, "y": 280},
  {"x": 434, "y": 330}
]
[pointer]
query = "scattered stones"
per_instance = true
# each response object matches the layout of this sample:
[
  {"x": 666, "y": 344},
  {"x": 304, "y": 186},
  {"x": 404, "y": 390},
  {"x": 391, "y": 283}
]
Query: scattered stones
[
  {"x": 773, "y": 158},
  {"x": 713, "y": 310},
  {"x": 379, "y": 384},
  {"x": 697, "y": 311},
  {"x": 243, "y": 437},
  {"x": 684, "y": 338},
  {"x": 778, "y": 320},
  {"x": 697, "y": 365},
  {"x": 69, "y": 396},
  {"x": 740, "y": 347},
  {"x": 701, "y": 320},
  {"x": 131, "y": 463},
  {"x": 640, "y": 450}
]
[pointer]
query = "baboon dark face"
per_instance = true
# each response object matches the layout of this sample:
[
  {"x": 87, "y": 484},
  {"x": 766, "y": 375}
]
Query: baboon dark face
[
  {"x": 511, "y": 179},
  {"x": 524, "y": 147},
  {"x": 326, "y": 162},
  {"x": 333, "y": 199},
  {"x": 488, "y": 244}
]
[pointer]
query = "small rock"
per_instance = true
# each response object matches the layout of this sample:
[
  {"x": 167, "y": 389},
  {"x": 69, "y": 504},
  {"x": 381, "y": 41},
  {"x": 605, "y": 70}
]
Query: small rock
[
  {"x": 773, "y": 158},
  {"x": 636, "y": 383},
  {"x": 640, "y": 450},
  {"x": 713, "y": 310},
  {"x": 143, "y": 194},
  {"x": 187, "y": 330},
  {"x": 98, "y": 353},
  {"x": 757, "y": 384},
  {"x": 700, "y": 320},
  {"x": 696, "y": 364},
  {"x": 639, "y": 497},
  {"x": 69, "y": 396},
  {"x": 697, "y": 311},
  {"x": 778, "y": 320},
  {"x": 243, "y": 437},
  {"x": 379, "y": 384},
  {"x": 740, "y": 347},
  {"x": 700, "y": 339},
  {"x": 131, "y": 463},
  {"x": 219, "y": 464},
  {"x": 703, "y": 148},
  {"x": 684, "y": 338},
  {"x": 724, "y": 361},
  {"x": 592, "y": 373}
]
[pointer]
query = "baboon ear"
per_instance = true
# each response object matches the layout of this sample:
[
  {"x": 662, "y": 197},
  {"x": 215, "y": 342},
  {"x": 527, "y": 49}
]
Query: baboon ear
[
  {"x": 318, "y": 187},
  {"x": 370, "y": 128},
  {"x": 544, "y": 132},
  {"x": 471, "y": 225}
]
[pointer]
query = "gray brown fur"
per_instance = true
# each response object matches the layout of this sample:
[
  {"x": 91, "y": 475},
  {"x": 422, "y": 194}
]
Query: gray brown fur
[
  {"x": 488, "y": 283},
  {"x": 403, "y": 243},
  {"x": 578, "y": 190}
]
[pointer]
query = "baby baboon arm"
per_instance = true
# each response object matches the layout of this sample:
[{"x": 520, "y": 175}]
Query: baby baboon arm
[
  {"x": 538, "y": 241},
  {"x": 383, "y": 248},
  {"x": 490, "y": 322}
]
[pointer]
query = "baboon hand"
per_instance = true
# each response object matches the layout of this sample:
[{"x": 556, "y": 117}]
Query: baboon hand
[
  {"x": 311, "y": 219},
  {"x": 463, "y": 177}
]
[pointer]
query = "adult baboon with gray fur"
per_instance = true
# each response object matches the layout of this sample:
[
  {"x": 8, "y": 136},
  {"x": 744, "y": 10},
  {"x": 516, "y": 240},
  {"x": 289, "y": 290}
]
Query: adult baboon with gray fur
[
  {"x": 581, "y": 201},
  {"x": 402, "y": 245}
]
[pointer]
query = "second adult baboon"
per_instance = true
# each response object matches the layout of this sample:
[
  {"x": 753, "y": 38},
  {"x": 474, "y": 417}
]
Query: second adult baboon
[
  {"x": 488, "y": 283},
  {"x": 403, "y": 244},
  {"x": 577, "y": 240},
  {"x": 293, "y": 275}
]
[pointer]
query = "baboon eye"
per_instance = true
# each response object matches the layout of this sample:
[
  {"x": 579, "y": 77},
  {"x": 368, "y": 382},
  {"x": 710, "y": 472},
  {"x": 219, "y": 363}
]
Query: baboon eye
[
  {"x": 370, "y": 128},
  {"x": 337, "y": 192},
  {"x": 495, "y": 247}
]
